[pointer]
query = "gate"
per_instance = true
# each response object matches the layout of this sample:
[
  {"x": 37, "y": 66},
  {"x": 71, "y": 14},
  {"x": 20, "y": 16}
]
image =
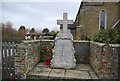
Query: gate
[{"x": 8, "y": 53}]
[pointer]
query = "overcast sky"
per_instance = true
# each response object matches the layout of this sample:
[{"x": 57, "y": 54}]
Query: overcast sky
[{"x": 38, "y": 15}]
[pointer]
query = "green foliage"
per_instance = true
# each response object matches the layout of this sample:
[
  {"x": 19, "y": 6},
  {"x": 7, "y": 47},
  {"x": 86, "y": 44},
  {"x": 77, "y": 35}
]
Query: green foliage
[
  {"x": 45, "y": 30},
  {"x": 54, "y": 33},
  {"x": 51, "y": 38},
  {"x": 22, "y": 27},
  {"x": 110, "y": 36},
  {"x": 32, "y": 30}
]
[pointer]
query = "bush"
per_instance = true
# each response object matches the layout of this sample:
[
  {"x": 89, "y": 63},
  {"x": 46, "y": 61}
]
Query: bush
[{"x": 109, "y": 36}]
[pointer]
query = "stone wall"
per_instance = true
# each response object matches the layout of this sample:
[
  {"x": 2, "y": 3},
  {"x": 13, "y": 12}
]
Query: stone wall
[
  {"x": 27, "y": 56},
  {"x": 46, "y": 50},
  {"x": 104, "y": 59},
  {"x": 82, "y": 51},
  {"x": 88, "y": 18},
  {"x": 29, "y": 53}
]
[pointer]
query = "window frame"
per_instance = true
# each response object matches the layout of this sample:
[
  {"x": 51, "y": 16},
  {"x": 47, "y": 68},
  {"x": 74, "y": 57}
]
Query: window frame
[{"x": 105, "y": 19}]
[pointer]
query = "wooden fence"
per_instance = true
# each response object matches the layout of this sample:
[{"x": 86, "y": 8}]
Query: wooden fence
[{"x": 8, "y": 52}]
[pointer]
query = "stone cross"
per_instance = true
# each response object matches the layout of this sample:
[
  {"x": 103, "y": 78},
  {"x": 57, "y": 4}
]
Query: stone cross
[
  {"x": 65, "y": 22},
  {"x": 63, "y": 51}
]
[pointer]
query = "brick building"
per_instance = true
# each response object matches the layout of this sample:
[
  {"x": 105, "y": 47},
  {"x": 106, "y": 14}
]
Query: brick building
[{"x": 93, "y": 16}]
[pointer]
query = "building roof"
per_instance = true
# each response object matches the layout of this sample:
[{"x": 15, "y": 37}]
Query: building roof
[
  {"x": 39, "y": 34},
  {"x": 70, "y": 26}
]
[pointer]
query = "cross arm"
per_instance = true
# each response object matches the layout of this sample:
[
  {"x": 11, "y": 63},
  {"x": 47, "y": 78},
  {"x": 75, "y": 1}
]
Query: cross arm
[
  {"x": 70, "y": 21},
  {"x": 59, "y": 22}
]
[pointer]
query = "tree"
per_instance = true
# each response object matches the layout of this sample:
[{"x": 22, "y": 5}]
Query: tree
[
  {"x": 54, "y": 33},
  {"x": 8, "y": 25},
  {"x": 22, "y": 27},
  {"x": 22, "y": 31},
  {"x": 32, "y": 30},
  {"x": 45, "y": 30},
  {"x": 9, "y": 34}
]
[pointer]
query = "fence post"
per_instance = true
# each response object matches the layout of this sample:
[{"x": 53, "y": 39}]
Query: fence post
[
  {"x": 3, "y": 65},
  {"x": 13, "y": 57},
  {"x": 7, "y": 54},
  {"x": 9, "y": 59},
  {"x": 6, "y": 61}
]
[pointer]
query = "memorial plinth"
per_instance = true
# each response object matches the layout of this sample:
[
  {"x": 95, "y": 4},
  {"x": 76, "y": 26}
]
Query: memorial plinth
[{"x": 63, "y": 52}]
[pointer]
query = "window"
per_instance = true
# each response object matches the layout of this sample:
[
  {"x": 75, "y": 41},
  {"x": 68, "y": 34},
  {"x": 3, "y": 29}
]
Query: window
[{"x": 102, "y": 21}]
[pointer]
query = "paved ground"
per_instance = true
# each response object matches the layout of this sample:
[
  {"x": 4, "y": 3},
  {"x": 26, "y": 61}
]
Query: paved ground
[{"x": 83, "y": 71}]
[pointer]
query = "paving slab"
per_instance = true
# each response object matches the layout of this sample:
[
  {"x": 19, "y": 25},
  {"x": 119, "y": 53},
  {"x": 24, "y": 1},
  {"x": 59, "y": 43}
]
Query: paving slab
[
  {"x": 40, "y": 71},
  {"x": 83, "y": 71},
  {"x": 93, "y": 75},
  {"x": 76, "y": 74},
  {"x": 83, "y": 67},
  {"x": 58, "y": 73}
]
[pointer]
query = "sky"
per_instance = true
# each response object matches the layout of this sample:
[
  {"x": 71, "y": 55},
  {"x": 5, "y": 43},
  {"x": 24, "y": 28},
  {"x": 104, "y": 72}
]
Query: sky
[{"x": 38, "y": 15}]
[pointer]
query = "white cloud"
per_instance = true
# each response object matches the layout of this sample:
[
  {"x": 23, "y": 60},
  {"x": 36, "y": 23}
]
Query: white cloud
[
  {"x": 38, "y": 14},
  {"x": 41, "y": 0}
]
